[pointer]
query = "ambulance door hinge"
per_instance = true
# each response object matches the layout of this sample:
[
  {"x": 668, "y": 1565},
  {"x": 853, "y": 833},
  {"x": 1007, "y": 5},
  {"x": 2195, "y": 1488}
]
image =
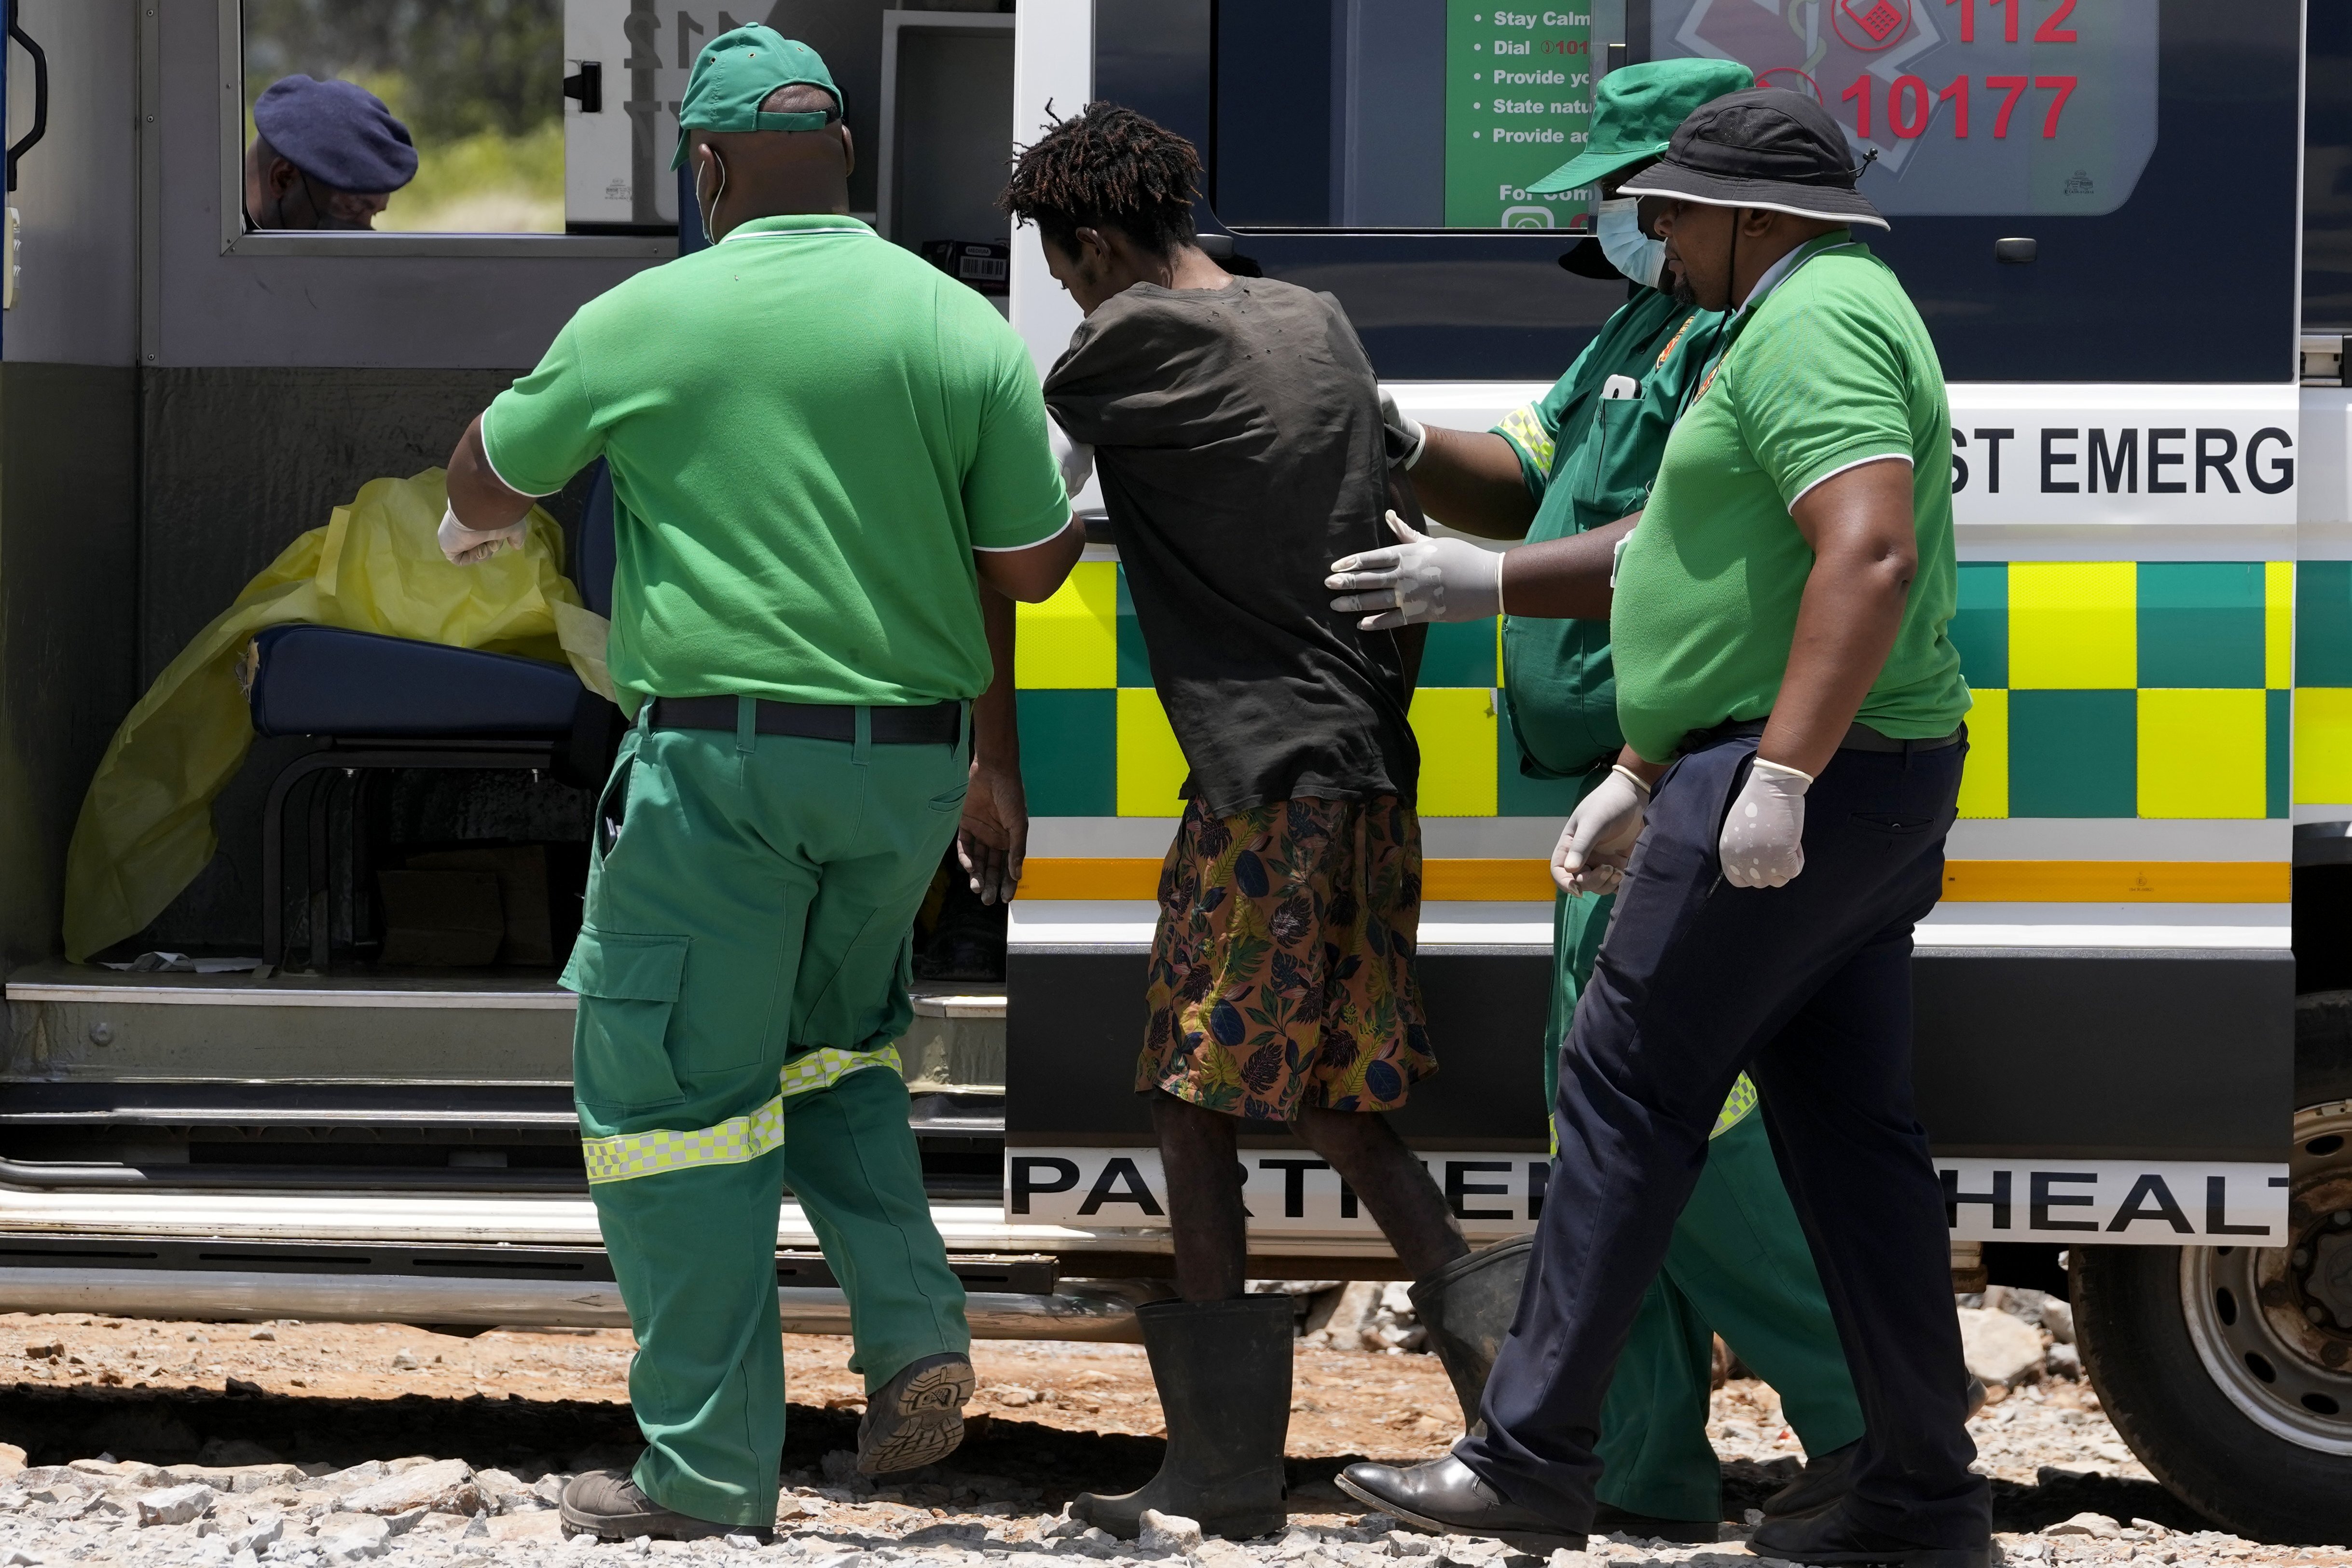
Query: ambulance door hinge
[{"x": 587, "y": 85}]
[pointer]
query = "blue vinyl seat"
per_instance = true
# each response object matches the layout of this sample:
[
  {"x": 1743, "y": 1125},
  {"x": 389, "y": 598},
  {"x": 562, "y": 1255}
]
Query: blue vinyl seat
[
  {"x": 371, "y": 703},
  {"x": 323, "y": 681}
]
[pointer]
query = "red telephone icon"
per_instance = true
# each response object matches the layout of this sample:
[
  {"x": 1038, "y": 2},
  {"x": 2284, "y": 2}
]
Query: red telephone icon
[{"x": 1878, "y": 18}]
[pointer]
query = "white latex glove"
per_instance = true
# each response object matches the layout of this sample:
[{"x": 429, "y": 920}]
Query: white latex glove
[
  {"x": 1396, "y": 419},
  {"x": 1076, "y": 458},
  {"x": 1763, "y": 843},
  {"x": 465, "y": 546},
  {"x": 1421, "y": 579},
  {"x": 1598, "y": 838}
]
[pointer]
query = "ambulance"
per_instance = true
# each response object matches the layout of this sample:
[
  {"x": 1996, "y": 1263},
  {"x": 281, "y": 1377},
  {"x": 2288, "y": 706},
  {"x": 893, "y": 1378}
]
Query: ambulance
[{"x": 2126, "y": 223}]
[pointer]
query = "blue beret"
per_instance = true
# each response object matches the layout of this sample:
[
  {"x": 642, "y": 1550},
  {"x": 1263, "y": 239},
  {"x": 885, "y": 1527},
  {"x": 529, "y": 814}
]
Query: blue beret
[{"x": 337, "y": 132}]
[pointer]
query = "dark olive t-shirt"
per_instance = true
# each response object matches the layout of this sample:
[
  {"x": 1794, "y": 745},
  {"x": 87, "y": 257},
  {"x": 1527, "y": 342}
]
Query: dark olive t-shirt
[{"x": 1237, "y": 435}]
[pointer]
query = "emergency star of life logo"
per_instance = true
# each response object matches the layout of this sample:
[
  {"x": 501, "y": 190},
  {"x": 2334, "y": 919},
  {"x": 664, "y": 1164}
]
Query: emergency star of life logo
[{"x": 1820, "y": 47}]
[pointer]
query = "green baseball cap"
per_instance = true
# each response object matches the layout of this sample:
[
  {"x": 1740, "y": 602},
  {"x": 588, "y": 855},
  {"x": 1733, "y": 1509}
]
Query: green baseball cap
[
  {"x": 1634, "y": 113},
  {"x": 733, "y": 76}
]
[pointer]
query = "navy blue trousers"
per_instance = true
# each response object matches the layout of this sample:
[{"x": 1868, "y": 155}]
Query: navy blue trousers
[{"x": 1808, "y": 989}]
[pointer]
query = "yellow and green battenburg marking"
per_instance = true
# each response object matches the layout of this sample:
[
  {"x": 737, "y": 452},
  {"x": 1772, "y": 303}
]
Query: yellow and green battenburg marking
[
  {"x": 625, "y": 1157},
  {"x": 2104, "y": 688}
]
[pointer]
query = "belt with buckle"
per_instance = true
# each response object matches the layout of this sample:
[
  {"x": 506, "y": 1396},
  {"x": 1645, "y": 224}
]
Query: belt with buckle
[
  {"x": 1859, "y": 737},
  {"x": 931, "y": 724}
]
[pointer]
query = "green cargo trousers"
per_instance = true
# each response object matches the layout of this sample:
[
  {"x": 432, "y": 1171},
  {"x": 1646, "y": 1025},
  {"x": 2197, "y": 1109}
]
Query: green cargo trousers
[
  {"x": 742, "y": 972},
  {"x": 1738, "y": 1266}
]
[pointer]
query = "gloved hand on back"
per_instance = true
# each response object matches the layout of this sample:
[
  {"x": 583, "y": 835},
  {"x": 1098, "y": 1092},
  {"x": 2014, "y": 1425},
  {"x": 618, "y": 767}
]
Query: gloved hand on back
[
  {"x": 1419, "y": 579},
  {"x": 1415, "y": 433},
  {"x": 1076, "y": 458}
]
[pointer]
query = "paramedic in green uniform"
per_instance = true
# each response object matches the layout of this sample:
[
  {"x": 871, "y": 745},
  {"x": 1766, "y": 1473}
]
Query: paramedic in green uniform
[
  {"x": 820, "y": 446},
  {"x": 1582, "y": 458}
]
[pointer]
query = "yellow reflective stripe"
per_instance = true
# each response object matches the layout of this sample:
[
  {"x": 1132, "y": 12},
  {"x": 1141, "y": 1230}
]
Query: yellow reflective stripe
[
  {"x": 1523, "y": 427},
  {"x": 734, "y": 1141},
  {"x": 1735, "y": 1109},
  {"x": 825, "y": 1067},
  {"x": 626, "y": 1157}
]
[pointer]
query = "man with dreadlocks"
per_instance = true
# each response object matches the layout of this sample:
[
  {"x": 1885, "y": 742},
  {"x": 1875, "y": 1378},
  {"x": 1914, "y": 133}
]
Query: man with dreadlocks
[{"x": 1237, "y": 425}]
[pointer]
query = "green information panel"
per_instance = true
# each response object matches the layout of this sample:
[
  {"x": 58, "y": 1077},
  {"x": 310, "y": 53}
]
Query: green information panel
[{"x": 1519, "y": 102}]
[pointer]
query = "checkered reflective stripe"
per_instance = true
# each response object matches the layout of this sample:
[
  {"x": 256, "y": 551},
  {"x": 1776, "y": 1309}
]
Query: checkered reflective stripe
[
  {"x": 1735, "y": 1108},
  {"x": 1523, "y": 427},
  {"x": 2121, "y": 688},
  {"x": 825, "y": 1067},
  {"x": 2104, "y": 688},
  {"x": 625, "y": 1157}
]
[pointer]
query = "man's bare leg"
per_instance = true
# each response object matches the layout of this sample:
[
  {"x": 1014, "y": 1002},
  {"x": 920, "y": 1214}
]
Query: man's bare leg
[
  {"x": 1371, "y": 1158},
  {"x": 1204, "y": 1197}
]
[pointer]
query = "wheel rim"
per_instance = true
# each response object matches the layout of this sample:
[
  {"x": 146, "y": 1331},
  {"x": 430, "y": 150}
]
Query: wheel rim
[{"x": 2274, "y": 1324}]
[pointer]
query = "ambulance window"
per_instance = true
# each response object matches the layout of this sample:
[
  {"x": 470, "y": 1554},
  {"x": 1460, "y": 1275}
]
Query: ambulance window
[
  {"x": 1370, "y": 114},
  {"x": 2328, "y": 170},
  {"x": 1963, "y": 108},
  {"x": 478, "y": 83},
  {"x": 559, "y": 116},
  {"x": 616, "y": 172},
  {"x": 1401, "y": 115}
]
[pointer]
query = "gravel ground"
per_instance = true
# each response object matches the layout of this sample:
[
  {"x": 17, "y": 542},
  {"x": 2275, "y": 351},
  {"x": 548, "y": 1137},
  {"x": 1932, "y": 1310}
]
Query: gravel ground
[{"x": 151, "y": 1447}]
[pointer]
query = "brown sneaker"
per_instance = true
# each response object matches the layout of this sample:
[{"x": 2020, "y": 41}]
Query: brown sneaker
[
  {"x": 917, "y": 1418},
  {"x": 607, "y": 1504}
]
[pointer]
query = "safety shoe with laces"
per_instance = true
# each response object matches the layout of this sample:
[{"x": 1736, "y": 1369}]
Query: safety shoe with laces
[
  {"x": 917, "y": 1418},
  {"x": 607, "y": 1504}
]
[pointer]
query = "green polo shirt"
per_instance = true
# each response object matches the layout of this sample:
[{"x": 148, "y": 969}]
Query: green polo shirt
[
  {"x": 1589, "y": 460},
  {"x": 1831, "y": 369},
  {"x": 810, "y": 431}
]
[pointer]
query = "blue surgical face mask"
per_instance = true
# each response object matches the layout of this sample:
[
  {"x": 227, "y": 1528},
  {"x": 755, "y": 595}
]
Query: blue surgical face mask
[{"x": 1631, "y": 251}]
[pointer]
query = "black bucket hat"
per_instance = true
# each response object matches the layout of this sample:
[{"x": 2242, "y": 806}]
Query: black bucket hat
[{"x": 1767, "y": 147}]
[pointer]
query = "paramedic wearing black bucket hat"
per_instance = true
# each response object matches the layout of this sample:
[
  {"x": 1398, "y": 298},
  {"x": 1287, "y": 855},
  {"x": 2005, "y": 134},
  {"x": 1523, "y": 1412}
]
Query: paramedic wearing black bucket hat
[{"x": 1794, "y": 713}]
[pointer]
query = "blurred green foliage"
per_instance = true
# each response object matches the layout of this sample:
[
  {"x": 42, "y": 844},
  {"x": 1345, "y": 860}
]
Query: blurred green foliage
[
  {"x": 486, "y": 184},
  {"x": 470, "y": 66}
]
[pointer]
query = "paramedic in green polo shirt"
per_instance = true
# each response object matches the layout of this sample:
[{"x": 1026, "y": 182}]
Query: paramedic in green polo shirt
[
  {"x": 1793, "y": 712},
  {"x": 1579, "y": 458},
  {"x": 820, "y": 446}
]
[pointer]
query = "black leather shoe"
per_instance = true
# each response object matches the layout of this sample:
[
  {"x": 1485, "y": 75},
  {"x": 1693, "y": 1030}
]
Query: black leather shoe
[
  {"x": 1446, "y": 1496},
  {"x": 1829, "y": 1540},
  {"x": 1825, "y": 1480},
  {"x": 1608, "y": 1521}
]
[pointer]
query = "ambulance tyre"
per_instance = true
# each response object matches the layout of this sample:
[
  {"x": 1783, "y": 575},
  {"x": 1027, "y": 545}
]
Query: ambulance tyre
[{"x": 2209, "y": 1360}]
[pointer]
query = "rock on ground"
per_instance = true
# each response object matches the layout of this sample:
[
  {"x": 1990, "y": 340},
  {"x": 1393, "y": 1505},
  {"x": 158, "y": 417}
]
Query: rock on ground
[
  {"x": 443, "y": 1486},
  {"x": 176, "y": 1505},
  {"x": 1999, "y": 1348},
  {"x": 1169, "y": 1532}
]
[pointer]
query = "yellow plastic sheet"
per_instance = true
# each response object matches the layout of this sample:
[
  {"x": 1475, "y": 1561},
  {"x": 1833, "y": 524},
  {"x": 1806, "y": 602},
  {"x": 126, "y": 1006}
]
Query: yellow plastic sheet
[{"x": 146, "y": 829}]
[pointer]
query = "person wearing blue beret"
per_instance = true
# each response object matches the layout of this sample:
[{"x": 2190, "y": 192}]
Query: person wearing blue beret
[{"x": 326, "y": 155}]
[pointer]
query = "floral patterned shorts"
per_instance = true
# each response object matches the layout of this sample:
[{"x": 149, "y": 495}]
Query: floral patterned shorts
[{"x": 1282, "y": 967}]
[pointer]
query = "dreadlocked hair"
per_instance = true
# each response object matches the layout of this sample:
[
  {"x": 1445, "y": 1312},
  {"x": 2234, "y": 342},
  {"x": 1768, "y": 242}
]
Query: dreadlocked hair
[{"x": 1107, "y": 166}]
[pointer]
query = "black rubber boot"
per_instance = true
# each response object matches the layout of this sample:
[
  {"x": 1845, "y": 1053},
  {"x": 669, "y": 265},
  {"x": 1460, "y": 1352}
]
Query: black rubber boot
[
  {"x": 1224, "y": 1373},
  {"x": 1468, "y": 1307}
]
